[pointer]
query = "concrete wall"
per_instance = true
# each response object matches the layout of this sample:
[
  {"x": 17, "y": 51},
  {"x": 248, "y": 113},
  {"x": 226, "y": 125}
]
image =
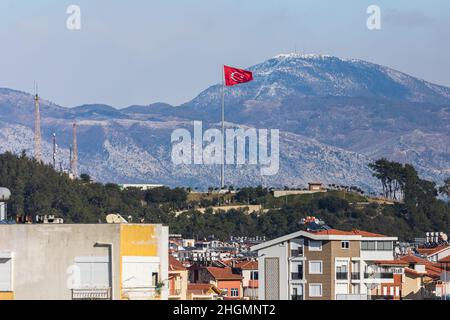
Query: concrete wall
[
  {"x": 44, "y": 253},
  {"x": 284, "y": 193},
  {"x": 277, "y": 251}
]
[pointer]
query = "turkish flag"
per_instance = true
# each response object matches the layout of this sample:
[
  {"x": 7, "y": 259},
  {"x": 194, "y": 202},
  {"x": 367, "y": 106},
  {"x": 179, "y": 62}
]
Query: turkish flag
[{"x": 234, "y": 76}]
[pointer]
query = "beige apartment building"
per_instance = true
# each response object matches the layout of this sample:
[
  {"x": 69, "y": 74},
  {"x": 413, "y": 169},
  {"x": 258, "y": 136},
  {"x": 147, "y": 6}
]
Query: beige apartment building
[{"x": 328, "y": 265}]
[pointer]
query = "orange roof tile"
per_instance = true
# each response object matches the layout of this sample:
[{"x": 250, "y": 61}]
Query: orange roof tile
[
  {"x": 248, "y": 265},
  {"x": 201, "y": 288},
  {"x": 445, "y": 259},
  {"x": 431, "y": 251},
  {"x": 413, "y": 272},
  {"x": 175, "y": 265},
  {"x": 414, "y": 259},
  {"x": 223, "y": 273},
  {"x": 347, "y": 233},
  {"x": 431, "y": 269}
]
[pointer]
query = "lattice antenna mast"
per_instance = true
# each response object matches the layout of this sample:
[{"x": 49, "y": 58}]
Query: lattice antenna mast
[
  {"x": 37, "y": 126},
  {"x": 74, "y": 164},
  {"x": 55, "y": 150}
]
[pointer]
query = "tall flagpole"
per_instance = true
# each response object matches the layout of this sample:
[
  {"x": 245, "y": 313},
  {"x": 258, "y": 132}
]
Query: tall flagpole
[{"x": 222, "y": 177}]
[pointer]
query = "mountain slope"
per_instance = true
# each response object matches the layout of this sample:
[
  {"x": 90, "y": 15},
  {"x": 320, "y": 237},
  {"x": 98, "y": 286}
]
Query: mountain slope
[{"x": 335, "y": 115}]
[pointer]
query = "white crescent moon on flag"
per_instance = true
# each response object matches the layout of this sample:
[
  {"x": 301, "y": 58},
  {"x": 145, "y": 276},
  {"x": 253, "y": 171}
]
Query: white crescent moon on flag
[{"x": 237, "y": 76}]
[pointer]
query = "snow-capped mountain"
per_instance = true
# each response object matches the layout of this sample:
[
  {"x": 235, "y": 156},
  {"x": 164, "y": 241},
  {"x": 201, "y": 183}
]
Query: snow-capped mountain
[{"x": 335, "y": 115}]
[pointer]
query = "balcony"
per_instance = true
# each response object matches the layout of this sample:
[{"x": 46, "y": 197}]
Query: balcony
[
  {"x": 382, "y": 297},
  {"x": 253, "y": 284},
  {"x": 91, "y": 294},
  {"x": 356, "y": 276},
  {"x": 379, "y": 275},
  {"x": 297, "y": 253},
  {"x": 296, "y": 276},
  {"x": 296, "y": 297},
  {"x": 341, "y": 275}
]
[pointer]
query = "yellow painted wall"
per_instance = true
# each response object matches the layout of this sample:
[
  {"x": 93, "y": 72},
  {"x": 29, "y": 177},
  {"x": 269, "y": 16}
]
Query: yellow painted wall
[
  {"x": 6, "y": 295},
  {"x": 138, "y": 240}
]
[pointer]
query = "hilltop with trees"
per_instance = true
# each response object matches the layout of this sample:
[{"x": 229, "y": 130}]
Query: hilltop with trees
[{"x": 39, "y": 189}]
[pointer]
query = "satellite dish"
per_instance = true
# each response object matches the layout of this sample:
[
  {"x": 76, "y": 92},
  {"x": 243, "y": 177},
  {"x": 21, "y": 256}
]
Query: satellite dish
[{"x": 115, "y": 219}]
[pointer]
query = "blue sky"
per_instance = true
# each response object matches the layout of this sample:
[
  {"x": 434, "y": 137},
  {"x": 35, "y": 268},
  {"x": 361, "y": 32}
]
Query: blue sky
[{"x": 144, "y": 51}]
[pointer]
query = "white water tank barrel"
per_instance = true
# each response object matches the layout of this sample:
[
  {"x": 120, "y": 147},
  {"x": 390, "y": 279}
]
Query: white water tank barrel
[{"x": 5, "y": 194}]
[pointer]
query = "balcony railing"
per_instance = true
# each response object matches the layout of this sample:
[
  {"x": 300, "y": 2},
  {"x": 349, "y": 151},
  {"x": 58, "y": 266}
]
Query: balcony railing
[
  {"x": 296, "y": 297},
  {"x": 379, "y": 275},
  {"x": 356, "y": 276},
  {"x": 341, "y": 275},
  {"x": 91, "y": 294},
  {"x": 296, "y": 276},
  {"x": 382, "y": 297}
]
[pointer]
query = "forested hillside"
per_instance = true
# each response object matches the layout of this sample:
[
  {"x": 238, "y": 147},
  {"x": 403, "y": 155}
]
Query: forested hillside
[{"x": 39, "y": 189}]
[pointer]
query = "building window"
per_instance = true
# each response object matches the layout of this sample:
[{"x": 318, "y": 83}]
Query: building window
[
  {"x": 315, "y": 267},
  {"x": 154, "y": 279},
  {"x": 315, "y": 245},
  {"x": 5, "y": 274},
  {"x": 356, "y": 289},
  {"x": 315, "y": 290},
  {"x": 234, "y": 292},
  {"x": 94, "y": 272},
  {"x": 254, "y": 275},
  {"x": 385, "y": 245},
  {"x": 225, "y": 292},
  {"x": 345, "y": 244},
  {"x": 368, "y": 245}
]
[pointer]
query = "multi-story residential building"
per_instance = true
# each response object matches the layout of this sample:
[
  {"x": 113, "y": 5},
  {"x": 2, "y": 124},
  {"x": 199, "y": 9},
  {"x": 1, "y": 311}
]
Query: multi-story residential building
[
  {"x": 422, "y": 279},
  {"x": 328, "y": 264},
  {"x": 178, "y": 280},
  {"x": 83, "y": 261},
  {"x": 228, "y": 282},
  {"x": 249, "y": 271}
]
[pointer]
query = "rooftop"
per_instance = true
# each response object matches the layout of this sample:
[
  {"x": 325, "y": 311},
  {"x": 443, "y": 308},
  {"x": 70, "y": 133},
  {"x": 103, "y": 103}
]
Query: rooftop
[
  {"x": 247, "y": 265},
  {"x": 223, "y": 273},
  {"x": 432, "y": 251},
  {"x": 347, "y": 233},
  {"x": 175, "y": 265}
]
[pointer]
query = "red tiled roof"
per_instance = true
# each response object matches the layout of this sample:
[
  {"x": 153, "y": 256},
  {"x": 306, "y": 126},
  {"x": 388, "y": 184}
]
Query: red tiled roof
[
  {"x": 431, "y": 251},
  {"x": 347, "y": 233},
  {"x": 413, "y": 272},
  {"x": 247, "y": 265},
  {"x": 223, "y": 273},
  {"x": 175, "y": 265},
  {"x": 431, "y": 269},
  {"x": 201, "y": 288},
  {"x": 392, "y": 262},
  {"x": 414, "y": 259},
  {"x": 445, "y": 259}
]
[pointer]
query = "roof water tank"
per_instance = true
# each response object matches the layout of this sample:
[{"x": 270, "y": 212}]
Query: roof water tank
[{"x": 5, "y": 194}]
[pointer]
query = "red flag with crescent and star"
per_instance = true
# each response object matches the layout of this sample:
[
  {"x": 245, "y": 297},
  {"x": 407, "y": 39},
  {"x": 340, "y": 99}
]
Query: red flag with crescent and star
[{"x": 234, "y": 76}]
